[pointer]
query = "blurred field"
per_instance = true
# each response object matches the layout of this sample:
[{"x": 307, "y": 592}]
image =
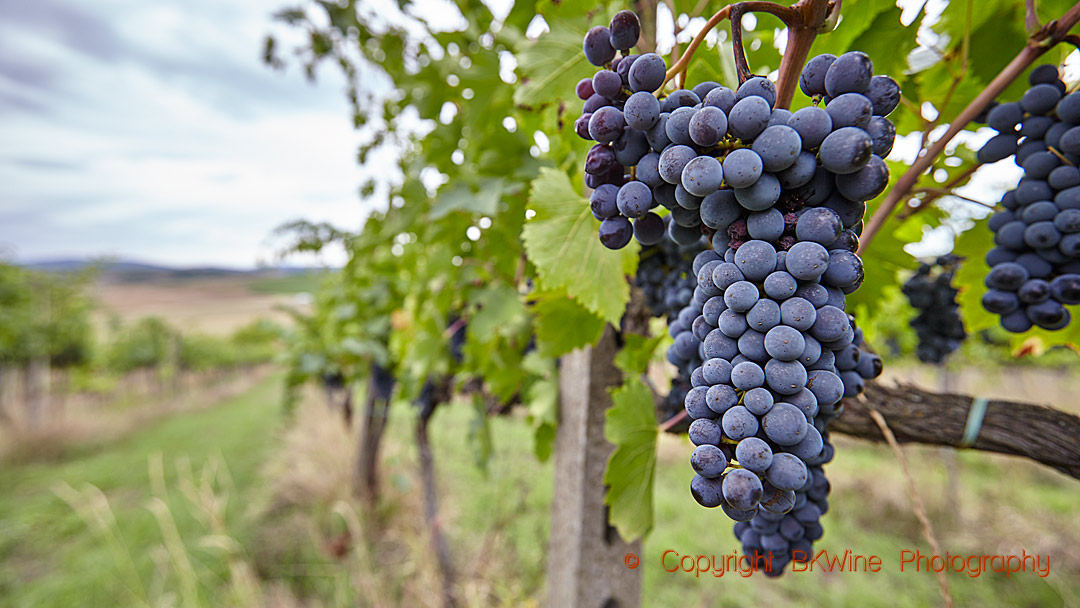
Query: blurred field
[
  {"x": 210, "y": 305},
  {"x": 263, "y": 517}
]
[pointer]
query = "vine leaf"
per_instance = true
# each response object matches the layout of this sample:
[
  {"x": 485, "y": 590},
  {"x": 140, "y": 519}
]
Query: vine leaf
[
  {"x": 552, "y": 65},
  {"x": 563, "y": 325},
  {"x": 630, "y": 424},
  {"x": 561, "y": 241}
]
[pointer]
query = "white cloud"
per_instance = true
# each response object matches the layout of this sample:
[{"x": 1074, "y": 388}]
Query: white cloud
[{"x": 153, "y": 131}]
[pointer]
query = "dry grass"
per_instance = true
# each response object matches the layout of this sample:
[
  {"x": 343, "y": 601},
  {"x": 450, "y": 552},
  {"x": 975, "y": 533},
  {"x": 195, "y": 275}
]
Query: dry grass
[
  {"x": 73, "y": 429},
  {"x": 214, "y": 306}
]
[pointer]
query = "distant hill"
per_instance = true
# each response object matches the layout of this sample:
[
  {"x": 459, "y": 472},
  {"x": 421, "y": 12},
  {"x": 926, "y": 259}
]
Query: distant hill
[{"x": 127, "y": 271}]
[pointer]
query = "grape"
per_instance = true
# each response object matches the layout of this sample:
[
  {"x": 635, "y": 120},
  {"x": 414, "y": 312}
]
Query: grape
[
  {"x": 1016, "y": 322},
  {"x": 642, "y": 111},
  {"x": 702, "y": 176},
  {"x": 607, "y": 83},
  {"x": 830, "y": 324},
  {"x": 883, "y": 134},
  {"x": 649, "y": 229},
  {"x": 1066, "y": 288},
  {"x": 819, "y": 225},
  {"x": 678, "y": 99},
  {"x": 615, "y": 232},
  {"x": 747, "y": 375},
  {"x": 727, "y": 274},
  {"x": 720, "y": 209},
  {"x": 785, "y": 377},
  {"x": 800, "y": 173},
  {"x": 787, "y": 472},
  {"x": 884, "y": 93},
  {"x": 702, "y": 88},
  {"x": 1036, "y": 127},
  {"x": 754, "y": 454},
  {"x": 1000, "y": 302},
  {"x": 1040, "y": 164},
  {"x": 603, "y": 202},
  {"x": 798, "y": 313},
  {"x": 762, "y": 317},
  {"x": 647, "y": 73},
  {"x": 812, "y": 79},
  {"x": 756, "y": 260},
  {"x": 1004, "y": 117},
  {"x": 812, "y": 124},
  {"x": 634, "y": 199},
  {"x": 738, "y": 423},
  {"x": 630, "y": 148},
  {"x": 597, "y": 46},
  {"x": 720, "y": 97},
  {"x": 850, "y": 110},
  {"x": 648, "y": 170},
  {"x": 687, "y": 218},
  {"x": 707, "y": 492},
  {"x": 731, "y": 323},
  {"x": 758, "y": 401},
  {"x": 845, "y": 269},
  {"x": 678, "y": 126},
  {"x": 742, "y": 489},
  {"x": 850, "y": 73},
  {"x": 720, "y": 398},
  {"x": 1068, "y": 109},
  {"x": 997, "y": 148},
  {"x": 708, "y": 126},
  {"x": 784, "y": 424},
  {"x": 742, "y": 168},
  {"x": 766, "y": 225},
  {"x": 672, "y": 162},
  {"x": 846, "y": 150},
  {"x": 778, "y": 147},
  {"x": 780, "y": 285},
  {"x": 1041, "y": 234},
  {"x": 1070, "y": 141},
  {"x": 741, "y": 297},
  {"x": 625, "y": 29},
  {"x": 606, "y": 124},
  {"x": 708, "y": 461},
  {"x": 759, "y": 86},
  {"x": 1040, "y": 99},
  {"x": 749, "y": 117},
  {"x": 584, "y": 89},
  {"x": 657, "y": 134},
  {"x": 704, "y": 431},
  {"x": 784, "y": 344},
  {"x": 717, "y": 371},
  {"x": 761, "y": 195},
  {"x": 686, "y": 200},
  {"x": 1063, "y": 178},
  {"x": 826, "y": 386},
  {"x": 1033, "y": 291}
]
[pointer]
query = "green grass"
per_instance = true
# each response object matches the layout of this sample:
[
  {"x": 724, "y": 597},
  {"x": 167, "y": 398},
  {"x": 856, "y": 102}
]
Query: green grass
[
  {"x": 306, "y": 282},
  {"x": 50, "y": 557},
  {"x": 497, "y": 521}
]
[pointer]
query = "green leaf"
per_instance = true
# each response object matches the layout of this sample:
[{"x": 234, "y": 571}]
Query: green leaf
[
  {"x": 460, "y": 197},
  {"x": 563, "y": 325},
  {"x": 633, "y": 359},
  {"x": 551, "y": 66},
  {"x": 855, "y": 19},
  {"x": 561, "y": 241},
  {"x": 501, "y": 310},
  {"x": 630, "y": 424},
  {"x": 479, "y": 436}
]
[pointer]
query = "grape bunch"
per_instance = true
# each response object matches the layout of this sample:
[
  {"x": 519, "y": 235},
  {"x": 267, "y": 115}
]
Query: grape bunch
[
  {"x": 662, "y": 276},
  {"x": 1035, "y": 265},
  {"x": 724, "y": 163},
  {"x": 790, "y": 536},
  {"x": 938, "y": 324}
]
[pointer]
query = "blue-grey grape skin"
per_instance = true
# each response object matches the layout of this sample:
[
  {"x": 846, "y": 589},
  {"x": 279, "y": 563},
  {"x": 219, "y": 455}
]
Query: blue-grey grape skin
[
  {"x": 784, "y": 343},
  {"x": 754, "y": 454},
  {"x": 708, "y": 126},
  {"x": 738, "y": 423},
  {"x": 749, "y": 117},
  {"x": 812, "y": 78},
  {"x": 647, "y": 73},
  {"x": 850, "y": 73},
  {"x": 850, "y": 110},
  {"x": 755, "y": 260},
  {"x": 798, "y": 313},
  {"x": 597, "y": 46},
  {"x": 761, "y": 195},
  {"x": 702, "y": 176},
  {"x": 787, "y": 472},
  {"x": 846, "y": 150},
  {"x": 742, "y": 489},
  {"x": 785, "y": 424},
  {"x": 708, "y": 461},
  {"x": 778, "y": 146},
  {"x": 707, "y": 492},
  {"x": 742, "y": 168},
  {"x": 642, "y": 111}
]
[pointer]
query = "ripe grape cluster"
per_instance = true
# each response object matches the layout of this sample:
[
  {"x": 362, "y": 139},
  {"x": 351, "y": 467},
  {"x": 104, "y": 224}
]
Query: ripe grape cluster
[
  {"x": 1035, "y": 266},
  {"x": 938, "y": 325},
  {"x": 764, "y": 339}
]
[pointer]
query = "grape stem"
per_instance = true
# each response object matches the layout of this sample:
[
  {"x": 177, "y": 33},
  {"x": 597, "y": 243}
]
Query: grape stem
[
  {"x": 1040, "y": 42},
  {"x": 670, "y": 422}
]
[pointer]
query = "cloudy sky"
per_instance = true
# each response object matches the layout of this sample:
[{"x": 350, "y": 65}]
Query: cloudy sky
[{"x": 153, "y": 131}]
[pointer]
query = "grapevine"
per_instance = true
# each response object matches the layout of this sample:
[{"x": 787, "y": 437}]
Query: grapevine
[{"x": 938, "y": 325}]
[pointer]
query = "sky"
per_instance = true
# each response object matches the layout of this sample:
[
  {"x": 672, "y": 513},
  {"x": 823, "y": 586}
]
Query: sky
[{"x": 152, "y": 131}]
